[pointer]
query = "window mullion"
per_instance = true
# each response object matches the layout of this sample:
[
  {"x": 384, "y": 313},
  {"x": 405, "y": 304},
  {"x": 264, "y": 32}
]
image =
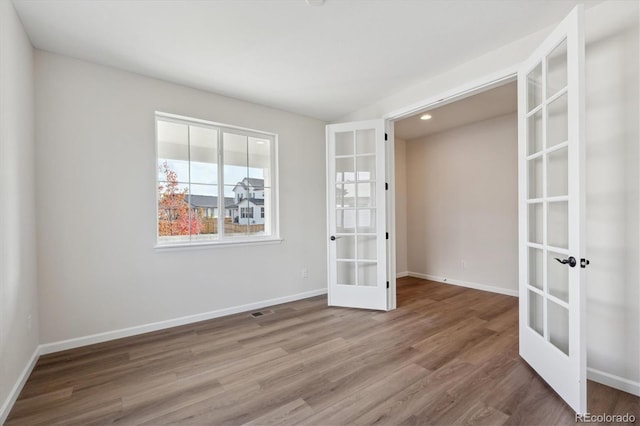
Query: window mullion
[{"x": 221, "y": 188}]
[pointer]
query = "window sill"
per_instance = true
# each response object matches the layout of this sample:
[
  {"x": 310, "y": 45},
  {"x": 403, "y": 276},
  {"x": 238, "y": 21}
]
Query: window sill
[{"x": 217, "y": 244}]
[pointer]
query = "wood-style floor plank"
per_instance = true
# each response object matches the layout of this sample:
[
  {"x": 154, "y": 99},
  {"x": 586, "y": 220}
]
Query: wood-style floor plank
[{"x": 447, "y": 355}]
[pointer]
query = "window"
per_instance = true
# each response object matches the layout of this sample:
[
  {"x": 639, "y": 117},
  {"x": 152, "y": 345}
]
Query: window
[{"x": 224, "y": 168}]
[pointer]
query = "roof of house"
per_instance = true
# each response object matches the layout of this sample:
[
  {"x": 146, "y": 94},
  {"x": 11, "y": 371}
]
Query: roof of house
[
  {"x": 207, "y": 201},
  {"x": 247, "y": 182}
]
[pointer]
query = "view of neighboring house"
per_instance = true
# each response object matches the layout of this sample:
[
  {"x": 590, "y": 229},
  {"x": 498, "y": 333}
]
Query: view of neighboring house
[
  {"x": 207, "y": 205},
  {"x": 249, "y": 202},
  {"x": 245, "y": 208}
]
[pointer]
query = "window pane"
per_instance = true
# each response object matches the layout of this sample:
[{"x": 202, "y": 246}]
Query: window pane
[
  {"x": 346, "y": 195},
  {"x": 346, "y": 247},
  {"x": 235, "y": 158},
  {"x": 535, "y": 268},
  {"x": 558, "y": 224},
  {"x": 535, "y": 178},
  {"x": 203, "y": 151},
  {"x": 173, "y": 141},
  {"x": 534, "y": 133},
  {"x": 260, "y": 160}
]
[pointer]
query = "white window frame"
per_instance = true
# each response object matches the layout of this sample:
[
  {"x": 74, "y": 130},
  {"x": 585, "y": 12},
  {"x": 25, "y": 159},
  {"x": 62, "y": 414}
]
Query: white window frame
[{"x": 274, "y": 236}]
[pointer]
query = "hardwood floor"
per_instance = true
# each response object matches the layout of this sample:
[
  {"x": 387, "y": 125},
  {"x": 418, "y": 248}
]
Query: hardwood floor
[{"x": 447, "y": 355}]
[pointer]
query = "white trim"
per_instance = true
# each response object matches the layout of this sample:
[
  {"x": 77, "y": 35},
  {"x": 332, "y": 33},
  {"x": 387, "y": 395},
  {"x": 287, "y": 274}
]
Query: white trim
[
  {"x": 614, "y": 381},
  {"x": 77, "y": 342},
  {"x": 214, "y": 244},
  {"x": 477, "y": 286},
  {"x": 471, "y": 88},
  {"x": 402, "y": 274},
  {"x": 7, "y": 405}
]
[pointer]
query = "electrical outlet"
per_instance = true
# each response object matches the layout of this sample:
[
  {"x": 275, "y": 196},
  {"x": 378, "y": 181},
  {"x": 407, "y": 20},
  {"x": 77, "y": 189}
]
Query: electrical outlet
[{"x": 305, "y": 273}]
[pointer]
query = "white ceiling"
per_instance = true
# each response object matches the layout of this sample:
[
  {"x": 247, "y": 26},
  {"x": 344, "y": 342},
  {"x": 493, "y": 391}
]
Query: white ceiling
[
  {"x": 482, "y": 106},
  {"x": 321, "y": 61}
]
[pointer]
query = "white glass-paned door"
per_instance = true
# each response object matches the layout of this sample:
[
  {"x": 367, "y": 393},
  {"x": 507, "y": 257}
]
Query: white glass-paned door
[
  {"x": 356, "y": 215},
  {"x": 551, "y": 199}
]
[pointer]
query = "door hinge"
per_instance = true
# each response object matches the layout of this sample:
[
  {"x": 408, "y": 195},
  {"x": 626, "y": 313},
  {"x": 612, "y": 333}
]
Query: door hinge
[
  {"x": 387, "y": 235},
  {"x": 584, "y": 263},
  {"x": 386, "y": 137},
  {"x": 386, "y": 186},
  {"x": 387, "y": 284}
]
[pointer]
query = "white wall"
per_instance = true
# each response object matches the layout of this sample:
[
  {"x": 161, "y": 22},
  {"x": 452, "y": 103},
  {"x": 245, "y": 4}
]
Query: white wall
[
  {"x": 400, "y": 156},
  {"x": 96, "y": 188},
  {"x": 18, "y": 293},
  {"x": 613, "y": 192},
  {"x": 463, "y": 204},
  {"x": 613, "y": 240}
]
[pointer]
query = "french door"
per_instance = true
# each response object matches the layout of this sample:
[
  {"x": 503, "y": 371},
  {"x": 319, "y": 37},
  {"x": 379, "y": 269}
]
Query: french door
[
  {"x": 551, "y": 211},
  {"x": 357, "y": 236}
]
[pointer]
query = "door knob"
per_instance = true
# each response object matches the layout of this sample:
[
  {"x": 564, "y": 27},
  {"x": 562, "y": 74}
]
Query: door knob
[
  {"x": 332, "y": 238},
  {"x": 571, "y": 261}
]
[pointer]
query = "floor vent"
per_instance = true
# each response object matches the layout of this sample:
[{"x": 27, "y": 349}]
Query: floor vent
[{"x": 261, "y": 313}]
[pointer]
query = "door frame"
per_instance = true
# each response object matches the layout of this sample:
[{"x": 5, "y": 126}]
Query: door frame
[{"x": 465, "y": 90}]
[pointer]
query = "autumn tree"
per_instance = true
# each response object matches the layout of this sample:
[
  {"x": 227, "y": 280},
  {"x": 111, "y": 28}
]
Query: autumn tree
[{"x": 174, "y": 215}]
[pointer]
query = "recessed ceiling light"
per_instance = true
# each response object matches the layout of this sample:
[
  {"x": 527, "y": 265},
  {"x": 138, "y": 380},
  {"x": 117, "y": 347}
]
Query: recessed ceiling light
[
  {"x": 425, "y": 117},
  {"x": 315, "y": 2}
]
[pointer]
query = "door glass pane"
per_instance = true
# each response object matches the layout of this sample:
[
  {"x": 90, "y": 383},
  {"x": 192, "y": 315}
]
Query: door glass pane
[
  {"x": 558, "y": 321},
  {"x": 368, "y": 274},
  {"x": 346, "y": 195},
  {"x": 346, "y": 247},
  {"x": 366, "y": 194},
  {"x": 557, "y": 277},
  {"x": 536, "y": 312},
  {"x": 345, "y": 170},
  {"x": 535, "y": 223},
  {"x": 558, "y": 224},
  {"x": 535, "y": 178},
  {"x": 535, "y": 267},
  {"x": 345, "y": 221},
  {"x": 344, "y": 143},
  {"x": 557, "y": 69},
  {"x": 366, "y": 141},
  {"x": 346, "y": 273},
  {"x": 558, "y": 173},
  {"x": 534, "y": 125},
  {"x": 367, "y": 247},
  {"x": 366, "y": 166},
  {"x": 534, "y": 87},
  {"x": 557, "y": 121},
  {"x": 366, "y": 221}
]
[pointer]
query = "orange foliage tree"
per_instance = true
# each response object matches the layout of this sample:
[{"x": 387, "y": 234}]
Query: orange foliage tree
[{"x": 174, "y": 215}]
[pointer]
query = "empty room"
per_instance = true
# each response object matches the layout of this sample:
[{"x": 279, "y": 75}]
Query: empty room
[{"x": 319, "y": 212}]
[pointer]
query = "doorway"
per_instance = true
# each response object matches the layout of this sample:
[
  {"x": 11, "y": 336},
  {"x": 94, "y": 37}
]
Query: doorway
[{"x": 456, "y": 192}]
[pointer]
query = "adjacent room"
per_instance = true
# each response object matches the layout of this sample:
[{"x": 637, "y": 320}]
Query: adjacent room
[{"x": 311, "y": 212}]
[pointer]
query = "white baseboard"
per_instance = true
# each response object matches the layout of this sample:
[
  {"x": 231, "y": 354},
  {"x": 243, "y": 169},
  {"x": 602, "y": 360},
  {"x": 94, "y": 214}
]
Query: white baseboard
[
  {"x": 477, "y": 286},
  {"x": 613, "y": 381},
  {"x": 402, "y": 274},
  {"x": 63, "y": 345},
  {"x": 7, "y": 405}
]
